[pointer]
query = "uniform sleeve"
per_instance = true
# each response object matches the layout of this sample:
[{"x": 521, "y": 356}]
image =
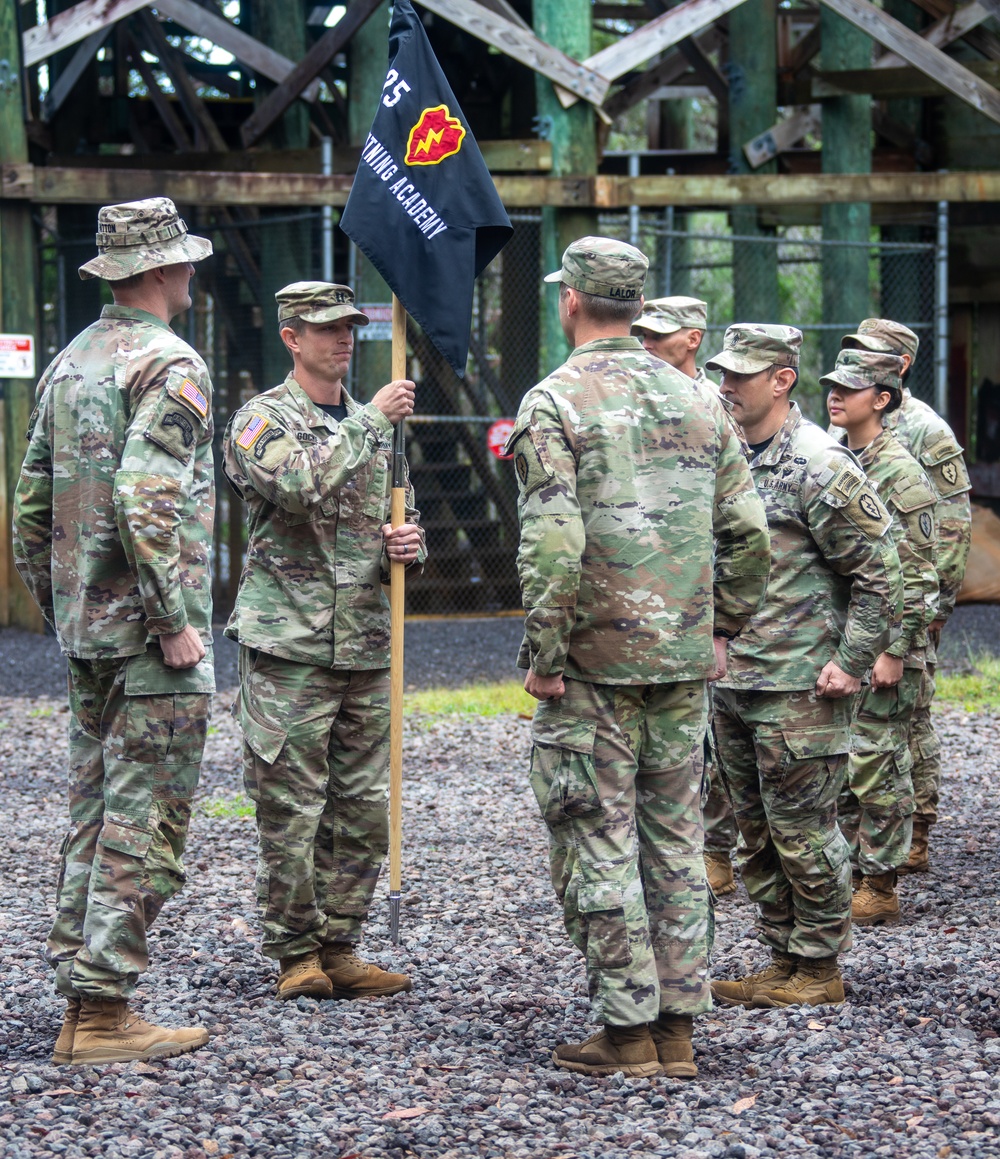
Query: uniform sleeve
[
  {"x": 742, "y": 543},
  {"x": 552, "y": 533},
  {"x": 262, "y": 455},
  {"x": 169, "y": 428},
  {"x": 851, "y": 528},
  {"x": 941, "y": 458},
  {"x": 32, "y": 542},
  {"x": 915, "y": 537}
]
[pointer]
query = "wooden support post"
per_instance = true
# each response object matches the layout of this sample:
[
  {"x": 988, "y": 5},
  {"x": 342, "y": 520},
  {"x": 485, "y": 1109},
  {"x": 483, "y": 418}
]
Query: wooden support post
[
  {"x": 18, "y": 315},
  {"x": 753, "y": 108},
  {"x": 847, "y": 126},
  {"x": 566, "y": 24}
]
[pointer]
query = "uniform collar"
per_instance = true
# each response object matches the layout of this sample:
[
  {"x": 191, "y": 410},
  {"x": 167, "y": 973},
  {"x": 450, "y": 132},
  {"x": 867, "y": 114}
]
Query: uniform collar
[
  {"x": 311, "y": 412},
  {"x": 130, "y": 312},
  {"x": 773, "y": 453},
  {"x": 625, "y": 342}
]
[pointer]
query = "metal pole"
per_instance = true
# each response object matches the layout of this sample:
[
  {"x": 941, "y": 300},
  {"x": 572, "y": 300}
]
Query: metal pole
[
  {"x": 326, "y": 155},
  {"x": 633, "y": 210},
  {"x": 941, "y": 312}
]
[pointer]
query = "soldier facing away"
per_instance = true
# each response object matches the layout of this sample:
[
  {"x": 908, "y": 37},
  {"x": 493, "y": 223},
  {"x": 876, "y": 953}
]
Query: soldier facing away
[
  {"x": 112, "y": 535},
  {"x": 783, "y": 711},
  {"x": 875, "y": 812},
  {"x": 643, "y": 548},
  {"x": 930, "y": 440},
  {"x": 312, "y": 620}
]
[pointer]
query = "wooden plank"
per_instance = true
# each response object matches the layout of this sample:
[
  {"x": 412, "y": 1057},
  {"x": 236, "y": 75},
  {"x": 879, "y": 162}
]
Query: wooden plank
[
  {"x": 666, "y": 72},
  {"x": 78, "y": 186},
  {"x": 931, "y": 61},
  {"x": 804, "y": 51},
  {"x": 781, "y": 137},
  {"x": 74, "y": 25},
  {"x": 67, "y": 79},
  {"x": 523, "y": 46},
  {"x": 944, "y": 31},
  {"x": 657, "y": 36},
  {"x": 225, "y": 34},
  {"x": 314, "y": 61},
  {"x": 161, "y": 102},
  {"x": 887, "y": 83}
]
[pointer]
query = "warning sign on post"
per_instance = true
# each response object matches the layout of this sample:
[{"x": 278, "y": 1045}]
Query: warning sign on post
[
  {"x": 379, "y": 328},
  {"x": 17, "y": 356},
  {"x": 497, "y": 436}
]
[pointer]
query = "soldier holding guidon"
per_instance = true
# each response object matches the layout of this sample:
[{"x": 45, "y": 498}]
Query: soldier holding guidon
[
  {"x": 783, "y": 711},
  {"x": 312, "y": 620},
  {"x": 643, "y": 549},
  {"x": 112, "y": 535},
  {"x": 875, "y": 813}
]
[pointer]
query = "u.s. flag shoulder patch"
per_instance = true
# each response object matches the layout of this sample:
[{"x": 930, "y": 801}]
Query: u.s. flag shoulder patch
[
  {"x": 190, "y": 393},
  {"x": 252, "y": 432}
]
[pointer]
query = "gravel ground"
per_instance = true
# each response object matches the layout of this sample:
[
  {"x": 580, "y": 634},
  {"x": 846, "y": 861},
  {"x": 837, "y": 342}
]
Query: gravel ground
[{"x": 460, "y": 1066}]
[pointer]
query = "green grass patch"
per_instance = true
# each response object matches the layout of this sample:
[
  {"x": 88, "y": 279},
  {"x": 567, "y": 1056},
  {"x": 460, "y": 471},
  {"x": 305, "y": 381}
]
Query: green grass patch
[
  {"x": 40, "y": 712},
  {"x": 977, "y": 690},
  {"x": 473, "y": 700},
  {"x": 238, "y": 806}
]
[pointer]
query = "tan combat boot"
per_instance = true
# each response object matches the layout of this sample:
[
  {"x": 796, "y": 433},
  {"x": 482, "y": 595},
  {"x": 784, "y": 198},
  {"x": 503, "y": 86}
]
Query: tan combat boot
[
  {"x": 719, "y": 871},
  {"x": 629, "y": 1049},
  {"x": 109, "y": 1032},
  {"x": 301, "y": 976},
  {"x": 919, "y": 859},
  {"x": 876, "y": 901},
  {"x": 671, "y": 1035},
  {"x": 741, "y": 991},
  {"x": 816, "y": 982},
  {"x": 62, "y": 1053},
  {"x": 351, "y": 977}
]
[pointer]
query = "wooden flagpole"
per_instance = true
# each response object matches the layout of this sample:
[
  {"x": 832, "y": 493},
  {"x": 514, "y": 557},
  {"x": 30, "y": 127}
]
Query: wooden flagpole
[{"x": 397, "y": 596}]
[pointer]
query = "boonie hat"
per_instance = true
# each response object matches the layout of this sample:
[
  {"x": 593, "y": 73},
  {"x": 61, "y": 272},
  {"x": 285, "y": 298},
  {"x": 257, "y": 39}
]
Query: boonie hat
[
  {"x": 668, "y": 315},
  {"x": 318, "y": 302},
  {"x": 861, "y": 369},
  {"x": 603, "y": 267},
  {"x": 882, "y": 334},
  {"x": 750, "y": 347},
  {"x": 142, "y": 235}
]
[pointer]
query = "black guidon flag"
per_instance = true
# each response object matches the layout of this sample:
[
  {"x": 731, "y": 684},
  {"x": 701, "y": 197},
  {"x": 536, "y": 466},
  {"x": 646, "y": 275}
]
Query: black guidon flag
[{"x": 423, "y": 208}]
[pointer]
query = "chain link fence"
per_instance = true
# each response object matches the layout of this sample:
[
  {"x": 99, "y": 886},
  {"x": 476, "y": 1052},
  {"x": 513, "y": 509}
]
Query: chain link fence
[{"x": 466, "y": 494}]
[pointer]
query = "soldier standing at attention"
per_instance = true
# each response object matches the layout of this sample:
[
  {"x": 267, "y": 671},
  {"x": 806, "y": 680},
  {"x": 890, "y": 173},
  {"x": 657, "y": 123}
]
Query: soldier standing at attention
[
  {"x": 875, "y": 813},
  {"x": 112, "y": 535},
  {"x": 932, "y": 443},
  {"x": 783, "y": 711},
  {"x": 643, "y": 549},
  {"x": 314, "y": 468},
  {"x": 673, "y": 329}
]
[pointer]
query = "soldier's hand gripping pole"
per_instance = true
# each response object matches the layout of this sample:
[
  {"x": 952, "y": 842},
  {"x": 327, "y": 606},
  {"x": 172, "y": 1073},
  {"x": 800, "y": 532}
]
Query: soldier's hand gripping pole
[{"x": 397, "y": 594}]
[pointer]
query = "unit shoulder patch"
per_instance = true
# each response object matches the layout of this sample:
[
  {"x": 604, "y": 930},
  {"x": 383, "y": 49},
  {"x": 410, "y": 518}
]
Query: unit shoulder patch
[
  {"x": 530, "y": 465},
  {"x": 867, "y": 514}
]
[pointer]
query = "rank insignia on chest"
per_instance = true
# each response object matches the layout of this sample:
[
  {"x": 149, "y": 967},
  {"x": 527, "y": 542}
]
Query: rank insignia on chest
[
  {"x": 252, "y": 432},
  {"x": 869, "y": 506},
  {"x": 193, "y": 396},
  {"x": 926, "y": 524}
]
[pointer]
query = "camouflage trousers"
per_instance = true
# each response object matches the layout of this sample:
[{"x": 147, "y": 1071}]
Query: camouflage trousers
[
  {"x": 617, "y": 773},
  {"x": 925, "y": 749},
  {"x": 784, "y": 757},
  {"x": 316, "y": 766},
  {"x": 720, "y": 824},
  {"x": 135, "y": 753},
  {"x": 875, "y": 811}
]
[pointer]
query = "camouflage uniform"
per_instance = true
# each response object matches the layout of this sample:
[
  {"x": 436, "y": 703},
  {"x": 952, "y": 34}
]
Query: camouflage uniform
[
  {"x": 627, "y": 481},
  {"x": 930, "y": 440},
  {"x": 833, "y": 593},
  {"x": 876, "y": 807},
  {"x": 112, "y": 535},
  {"x": 312, "y": 620}
]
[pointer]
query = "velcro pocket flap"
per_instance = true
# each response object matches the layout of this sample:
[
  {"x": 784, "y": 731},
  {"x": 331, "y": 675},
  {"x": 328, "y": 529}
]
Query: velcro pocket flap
[
  {"x": 266, "y": 740},
  {"x": 125, "y": 835},
  {"x": 576, "y": 735},
  {"x": 147, "y": 675},
  {"x": 599, "y": 897},
  {"x": 825, "y": 741}
]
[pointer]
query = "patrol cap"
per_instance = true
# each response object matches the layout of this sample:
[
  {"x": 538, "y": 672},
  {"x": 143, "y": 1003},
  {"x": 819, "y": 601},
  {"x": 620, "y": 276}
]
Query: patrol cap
[
  {"x": 318, "y": 302},
  {"x": 751, "y": 347},
  {"x": 603, "y": 267},
  {"x": 860, "y": 369},
  {"x": 668, "y": 315},
  {"x": 883, "y": 335},
  {"x": 142, "y": 235}
]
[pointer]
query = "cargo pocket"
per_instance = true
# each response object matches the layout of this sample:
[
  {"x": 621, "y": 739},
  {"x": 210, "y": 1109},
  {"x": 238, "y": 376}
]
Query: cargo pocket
[
  {"x": 562, "y": 769},
  {"x": 602, "y": 907},
  {"x": 166, "y": 709},
  {"x": 121, "y": 855}
]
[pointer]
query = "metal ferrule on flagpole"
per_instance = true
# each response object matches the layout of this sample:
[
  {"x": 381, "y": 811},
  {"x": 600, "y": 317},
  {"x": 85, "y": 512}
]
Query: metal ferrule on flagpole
[{"x": 397, "y": 596}]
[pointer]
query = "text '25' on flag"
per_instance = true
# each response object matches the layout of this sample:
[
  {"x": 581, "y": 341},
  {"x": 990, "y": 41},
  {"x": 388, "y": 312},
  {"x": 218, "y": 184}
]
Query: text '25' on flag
[{"x": 423, "y": 208}]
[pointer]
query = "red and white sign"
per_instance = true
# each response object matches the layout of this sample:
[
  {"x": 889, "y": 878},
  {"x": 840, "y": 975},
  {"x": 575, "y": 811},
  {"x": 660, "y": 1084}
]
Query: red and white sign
[
  {"x": 17, "y": 356},
  {"x": 379, "y": 328},
  {"x": 497, "y": 436}
]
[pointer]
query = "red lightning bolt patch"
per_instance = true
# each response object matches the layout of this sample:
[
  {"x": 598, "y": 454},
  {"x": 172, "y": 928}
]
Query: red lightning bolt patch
[{"x": 436, "y": 135}]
